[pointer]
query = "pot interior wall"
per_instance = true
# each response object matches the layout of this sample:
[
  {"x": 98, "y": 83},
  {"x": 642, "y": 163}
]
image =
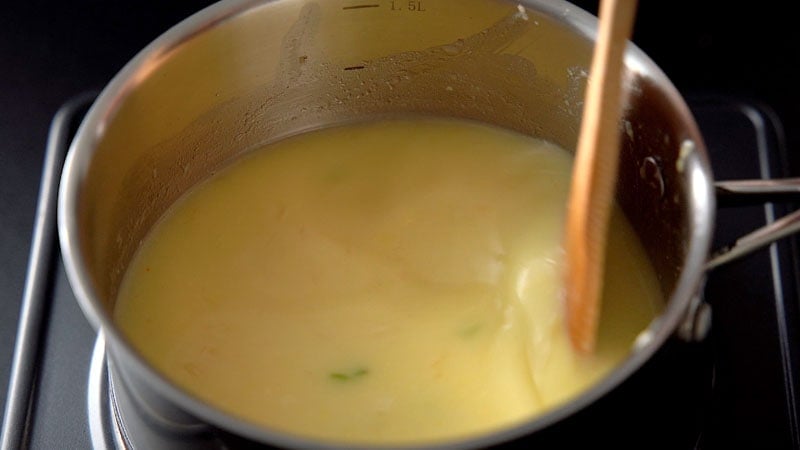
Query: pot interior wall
[{"x": 187, "y": 107}]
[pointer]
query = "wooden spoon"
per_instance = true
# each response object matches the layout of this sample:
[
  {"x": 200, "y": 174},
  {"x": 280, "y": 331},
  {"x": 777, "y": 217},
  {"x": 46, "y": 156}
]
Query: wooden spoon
[{"x": 594, "y": 175}]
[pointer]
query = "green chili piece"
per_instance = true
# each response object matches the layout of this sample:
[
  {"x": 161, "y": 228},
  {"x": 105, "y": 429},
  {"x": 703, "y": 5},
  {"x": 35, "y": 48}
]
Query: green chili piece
[{"x": 349, "y": 375}]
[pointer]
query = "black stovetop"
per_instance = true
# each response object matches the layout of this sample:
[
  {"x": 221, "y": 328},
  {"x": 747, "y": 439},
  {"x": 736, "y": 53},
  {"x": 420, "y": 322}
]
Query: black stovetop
[{"x": 735, "y": 389}]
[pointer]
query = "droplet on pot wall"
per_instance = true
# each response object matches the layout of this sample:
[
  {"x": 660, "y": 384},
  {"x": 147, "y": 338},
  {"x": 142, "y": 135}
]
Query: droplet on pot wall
[
  {"x": 651, "y": 172},
  {"x": 522, "y": 13},
  {"x": 628, "y": 129},
  {"x": 687, "y": 147}
]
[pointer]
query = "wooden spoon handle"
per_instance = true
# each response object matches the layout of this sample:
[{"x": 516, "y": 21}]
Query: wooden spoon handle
[{"x": 594, "y": 174}]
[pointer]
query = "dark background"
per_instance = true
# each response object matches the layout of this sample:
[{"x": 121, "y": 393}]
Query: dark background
[{"x": 51, "y": 51}]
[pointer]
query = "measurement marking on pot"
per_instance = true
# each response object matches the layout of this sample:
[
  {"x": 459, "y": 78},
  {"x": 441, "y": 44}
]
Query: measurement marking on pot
[
  {"x": 360, "y": 6},
  {"x": 412, "y": 5}
]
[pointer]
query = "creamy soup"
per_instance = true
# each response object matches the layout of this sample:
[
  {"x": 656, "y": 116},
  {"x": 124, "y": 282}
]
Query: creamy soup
[{"x": 388, "y": 282}]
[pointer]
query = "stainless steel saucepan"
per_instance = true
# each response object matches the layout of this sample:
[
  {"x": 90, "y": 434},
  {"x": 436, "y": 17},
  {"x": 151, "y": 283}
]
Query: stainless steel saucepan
[{"x": 244, "y": 72}]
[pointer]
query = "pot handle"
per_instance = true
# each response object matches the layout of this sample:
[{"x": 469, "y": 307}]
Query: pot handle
[{"x": 750, "y": 191}]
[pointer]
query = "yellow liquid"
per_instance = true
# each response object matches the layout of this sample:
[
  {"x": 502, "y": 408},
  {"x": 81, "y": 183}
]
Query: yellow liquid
[{"x": 383, "y": 283}]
